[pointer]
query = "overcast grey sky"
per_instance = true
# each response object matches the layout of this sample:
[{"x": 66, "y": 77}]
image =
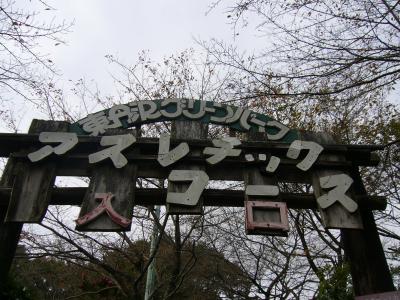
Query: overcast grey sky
[{"x": 123, "y": 28}]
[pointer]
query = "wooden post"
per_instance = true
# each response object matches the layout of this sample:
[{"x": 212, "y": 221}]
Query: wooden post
[
  {"x": 23, "y": 205},
  {"x": 364, "y": 251},
  {"x": 120, "y": 182},
  {"x": 32, "y": 185},
  {"x": 252, "y": 176},
  {"x": 9, "y": 232},
  {"x": 362, "y": 247},
  {"x": 186, "y": 130},
  {"x": 335, "y": 216}
]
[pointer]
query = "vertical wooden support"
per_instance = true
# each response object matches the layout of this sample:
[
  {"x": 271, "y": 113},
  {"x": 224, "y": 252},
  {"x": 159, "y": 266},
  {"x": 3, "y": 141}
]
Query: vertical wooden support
[
  {"x": 362, "y": 246},
  {"x": 252, "y": 176},
  {"x": 364, "y": 252},
  {"x": 33, "y": 184},
  {"x": 335, "y": 216},
  {"x": 9, "y": 232},
  {"x": 121, "y": 183},
  {"x": 186, "y": 130},
  {"x": 16, "y": 175},
  {"x": 105, "y": 178}
]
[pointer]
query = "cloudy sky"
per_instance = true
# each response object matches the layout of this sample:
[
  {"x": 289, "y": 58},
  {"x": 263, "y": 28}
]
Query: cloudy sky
[{"x": 124, "y": 28}]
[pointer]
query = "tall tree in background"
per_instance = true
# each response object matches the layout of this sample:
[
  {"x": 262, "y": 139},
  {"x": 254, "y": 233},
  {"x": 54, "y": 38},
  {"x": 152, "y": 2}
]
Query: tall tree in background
[
  {"x": 182, "y": 268},
  {"x": 327, "y": 66},
  {"x": 25, "y": 72},
  {"x": 310, "y": 262},
  {"x": 321, "y": 74},
  {"x": 315, "y": 48}
]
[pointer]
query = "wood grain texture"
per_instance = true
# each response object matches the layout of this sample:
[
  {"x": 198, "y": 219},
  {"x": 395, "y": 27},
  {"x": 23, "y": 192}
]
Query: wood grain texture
[
  {"x": 253, "y": 176},
  {"x": 32, "y": 183},
  {"x": 211, "y": 197},
  {"x": 187, "y": 130},
  {"x": 121, "y": 183},
  {"x": 10, "y": 231},
  {"x": 364, "y": 252},
  {"x": 335, "y": 216},
  {"x": 105, "y": 178}
]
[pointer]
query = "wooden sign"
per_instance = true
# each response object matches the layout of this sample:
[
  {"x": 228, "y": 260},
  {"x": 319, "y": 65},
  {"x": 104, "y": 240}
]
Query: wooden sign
[
  {"x": 334, "y": 192},
  {"x": 109, "y": 198},
  {"x": 272, "y": 155},
  {"x": 266, "y": 218},
  {"x": 117, "y": 157},
  {"x": 144, "y": 112}
]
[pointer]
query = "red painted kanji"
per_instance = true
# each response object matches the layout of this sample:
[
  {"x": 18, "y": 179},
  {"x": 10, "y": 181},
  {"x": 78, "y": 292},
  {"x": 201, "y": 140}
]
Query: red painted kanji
[{"x": 104, "y": 206}]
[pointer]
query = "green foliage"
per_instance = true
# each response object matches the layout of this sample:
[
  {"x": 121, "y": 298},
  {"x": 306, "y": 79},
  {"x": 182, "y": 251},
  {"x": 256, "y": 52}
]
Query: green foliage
[
  {"x": 395, "y": 128},
  {"x": 336, "y": 284},
  {"x": 206, "y": 275},
  {"x": 49, "y": 278},
  {"x": 14, "y": 289}
]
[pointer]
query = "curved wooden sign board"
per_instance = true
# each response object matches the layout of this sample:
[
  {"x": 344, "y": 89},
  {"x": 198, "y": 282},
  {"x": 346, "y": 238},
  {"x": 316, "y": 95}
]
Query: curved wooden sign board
[
  {"x": 31, "y": 183},
  {"x": 146, "y": 111},
  {"x": 110, "y": 182}
]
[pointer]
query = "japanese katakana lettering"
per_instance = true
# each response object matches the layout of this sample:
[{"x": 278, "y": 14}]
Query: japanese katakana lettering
[
  {"x": 151, "y": 113},
  {"x": 104, "y": 207},
  {"x": 171, "y": 102},
  {"x": 230, "y": 117},
  {"x": 340, "y": 184},
  {"x": 188, "y": 105},
  {"x": 167, "y": 157},
  {"x": 262, "y": 190},
  {"x": 272, "y": 165},
  {"x": 118, "y": 143},
  {"x": 249, "y": 157},
  {"x": 145, "y": 111},
  {"x": 198, "y": 179},
  {"x": 283, "y": 130},
  {"x": 67, "y": 139},
  {"x": 223, "y": 148},
  {"x": 312, "y": 156},
  {"x": 255, "y": 121},
  {"x": 243, "y": 119}
]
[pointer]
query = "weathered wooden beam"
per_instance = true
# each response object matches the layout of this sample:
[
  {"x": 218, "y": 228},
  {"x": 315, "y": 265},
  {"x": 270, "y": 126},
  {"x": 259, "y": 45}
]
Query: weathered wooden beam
[
  {"x": 148, "y": 166},
  {"x": 212, "y": 197},
  {"x": 357, "y": 154},
  {"x": 144, "y": 154},
  {"x": 12, "y": 142},
  {"x": 120, "y": 183}
]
